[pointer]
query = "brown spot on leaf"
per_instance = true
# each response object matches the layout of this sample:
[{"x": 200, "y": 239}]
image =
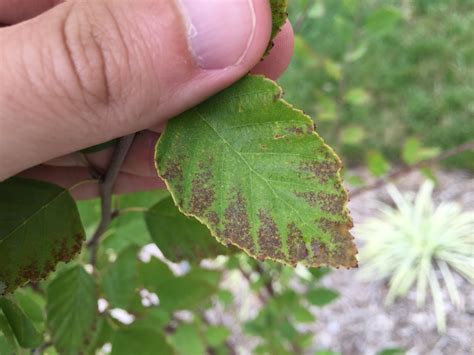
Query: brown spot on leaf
[
  {"x": 296, "y": 245},
  {"x": 331, "y": 203},
  {"x": 344, "y": 252},
  {"x": 268, "y": 236},
  {"x": 310, "y": 197},
  {"x": 279, "y": 136},
  {"x": 295, "y": 130},
  {"x": 202, "y": 191},
  {"x": 174, "y": 173},
  {"x": 236, "y": 224},
  {"x": 321, "y": 170},
  {"x": 213, "y": 219}
]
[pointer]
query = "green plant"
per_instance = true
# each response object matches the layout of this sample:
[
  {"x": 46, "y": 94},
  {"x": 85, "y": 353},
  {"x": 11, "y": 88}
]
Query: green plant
[{"x": 416, "y": 242}]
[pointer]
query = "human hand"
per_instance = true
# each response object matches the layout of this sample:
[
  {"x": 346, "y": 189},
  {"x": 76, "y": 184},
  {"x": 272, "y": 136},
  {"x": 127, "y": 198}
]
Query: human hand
[{"x": 82, "y": 72}]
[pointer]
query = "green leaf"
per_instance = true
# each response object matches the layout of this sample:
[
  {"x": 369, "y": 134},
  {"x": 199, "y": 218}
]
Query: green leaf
[
  {"x": 392, "y": 351},
  {"x": 39, "y": 227},
  {"x": 225, "y": 297},
  {"x": 33, "y": 305},
  {"x": 383, "y": 20},
  {"x": 25, "y": 332},
  {"x": 414, "y": 152},
  {"x": 180, "y": 237},
  {"x": 357, "y": 97},
  {"x": 5, "y": 347},
  {"x": 142, "y": 340},
  {"x": 187, "y": 340},
  {"x": 7, "y": 331},
  {"x": 154, "y": 273},
  {"x": 251, "y": 168},
  {"x": 102, "y": 334},
  {"x": 326, "y": 352},
  {"x": 191, "y": 291},
  {"x": 377, "y": 164},
  {"x": 217, "y": 335},
  {"x": 120, "y": 281},
  {"x": 320, "y": 272},
  {"x": 321, "y": 296},
  {"x": 352, "y": 135},
  {"x": 71, "y": 309},
  {"x": 302, "y": 315}
]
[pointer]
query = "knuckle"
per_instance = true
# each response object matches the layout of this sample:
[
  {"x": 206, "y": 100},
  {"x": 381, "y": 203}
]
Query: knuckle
[{"x": 95, "y": 50}]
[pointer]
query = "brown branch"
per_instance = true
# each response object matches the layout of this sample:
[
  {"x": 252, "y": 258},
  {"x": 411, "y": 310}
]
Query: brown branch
[
  {"x": 408, "y": 169},
  {"x": 106, "y": 187},
  {"x": 268, "y": 284}
]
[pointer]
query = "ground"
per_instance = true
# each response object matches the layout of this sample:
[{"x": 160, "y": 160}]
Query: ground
[{"x": 359, "y": 322}]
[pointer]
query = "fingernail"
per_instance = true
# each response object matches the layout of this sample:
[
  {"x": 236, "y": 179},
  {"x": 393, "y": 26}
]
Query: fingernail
[{"x": 219, "y": 32}]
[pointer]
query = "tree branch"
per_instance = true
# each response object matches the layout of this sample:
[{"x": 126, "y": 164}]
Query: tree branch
[
  {"x": 408, "y": 169},
  {"x": 106, "y": 187}
]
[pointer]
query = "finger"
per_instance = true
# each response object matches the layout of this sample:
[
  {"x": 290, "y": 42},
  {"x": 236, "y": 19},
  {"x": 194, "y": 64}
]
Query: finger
[
  {"x": 14, "y": 11},
  {"x": 140, "y": 159},
  {"x": 86, "y": 72},
  {"x": 273, "y": 65},
  {"x": 71, "y": 177},
  {"x": 279, "y": 57}
]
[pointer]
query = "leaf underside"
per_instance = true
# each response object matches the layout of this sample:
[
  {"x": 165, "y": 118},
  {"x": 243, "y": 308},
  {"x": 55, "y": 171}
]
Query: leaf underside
[
  {"x": 39, "y": 227},
  {"x": 250, "y": 167},
  {"x": 279, "y": 16}
]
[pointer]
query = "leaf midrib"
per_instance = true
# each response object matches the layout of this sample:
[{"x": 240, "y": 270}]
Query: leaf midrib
[
  {"x": 202, "y": 117},
  {"x": 33, "y": 215}
]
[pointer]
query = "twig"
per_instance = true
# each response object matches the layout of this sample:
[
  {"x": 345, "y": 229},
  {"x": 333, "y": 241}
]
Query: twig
[
  {"x": 40, "y": 350},
  {"x": 408, "y": 169},
  {"x": 268, "y": 284},
  {"x": 246, "y": 275},
  {"x": 106, "y": 187}
]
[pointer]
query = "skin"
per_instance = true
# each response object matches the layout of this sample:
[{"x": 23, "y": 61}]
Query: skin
[{"x": 49, "y": 110}]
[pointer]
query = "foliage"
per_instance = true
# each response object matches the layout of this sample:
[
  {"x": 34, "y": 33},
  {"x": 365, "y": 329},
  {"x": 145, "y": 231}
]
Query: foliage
[
  {"x": 251, "y": 168},
  {"x": 417, "y": 242},
  {"x": 393, "y": 69},
  {"x": 76, "y": 311}
]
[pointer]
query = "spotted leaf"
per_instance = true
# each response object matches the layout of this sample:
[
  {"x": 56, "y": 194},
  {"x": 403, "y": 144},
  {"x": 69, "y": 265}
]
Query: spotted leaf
[
  {"x": 39, "y": 227},
  {"x": 251, "y": 167}
]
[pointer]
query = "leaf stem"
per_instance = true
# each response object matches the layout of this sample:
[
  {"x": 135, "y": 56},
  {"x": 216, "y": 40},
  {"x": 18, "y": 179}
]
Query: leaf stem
[
  {"x": 106, "y": 187},
  {"x": 408, "y": 169}
]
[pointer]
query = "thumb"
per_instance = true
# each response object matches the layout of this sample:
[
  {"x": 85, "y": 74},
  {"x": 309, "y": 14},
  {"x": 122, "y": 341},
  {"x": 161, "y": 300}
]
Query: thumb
[{"x": 88, "y": 71}]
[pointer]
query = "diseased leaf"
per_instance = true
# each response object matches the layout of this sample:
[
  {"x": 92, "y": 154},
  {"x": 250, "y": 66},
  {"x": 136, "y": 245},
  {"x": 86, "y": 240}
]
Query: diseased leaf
[
  {"x": 251, "y": 167},
  {"x": 25, "y": 332},
  {"x": 71, "y": 309},
  {"x": 39, "y": 227},
  {"x": 279, "y": 16},
  {"x": 180, "y": 237}
]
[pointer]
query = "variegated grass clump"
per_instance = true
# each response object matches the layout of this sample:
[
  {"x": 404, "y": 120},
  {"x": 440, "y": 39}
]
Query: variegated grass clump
[{"x": 418, "y": 243}]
